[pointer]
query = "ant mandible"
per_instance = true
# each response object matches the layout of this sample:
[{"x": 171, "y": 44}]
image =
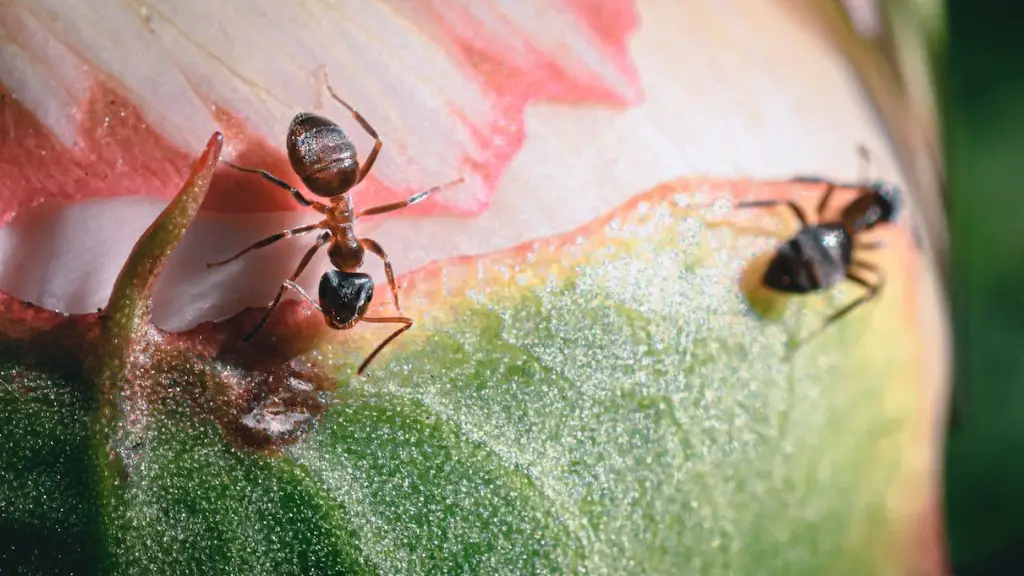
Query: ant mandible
[
  {"x": 819, "y": 256},
  {"x": 325, "y": 159}
]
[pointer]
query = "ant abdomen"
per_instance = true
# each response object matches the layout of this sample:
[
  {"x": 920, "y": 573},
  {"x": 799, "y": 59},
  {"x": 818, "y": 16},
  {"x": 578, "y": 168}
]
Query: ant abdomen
[
  {"x": 322, "y": 155},
  {"x": 345, "y": 296},
  {"x": 787, "y": 272},
  {"x": 815, "y": 259}
]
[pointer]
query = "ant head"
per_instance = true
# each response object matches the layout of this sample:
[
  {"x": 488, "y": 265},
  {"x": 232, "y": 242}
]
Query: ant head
[
  {"x": 888, "y": 201},
  {"x": 880, "y": 204},
  {"x": 345, "y": 296},
  {"x": 322, "y": 155},
  {"x": 787, "y": 271},
  {"x": 885, "y": 200}
]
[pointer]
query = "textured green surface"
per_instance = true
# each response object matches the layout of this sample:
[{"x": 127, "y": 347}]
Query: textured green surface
[{"x": 620, "y": 413}]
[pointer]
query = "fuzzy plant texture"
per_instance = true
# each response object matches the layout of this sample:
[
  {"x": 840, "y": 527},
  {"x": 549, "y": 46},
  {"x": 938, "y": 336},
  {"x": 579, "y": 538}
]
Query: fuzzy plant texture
[{"x": 600, "y": 402}]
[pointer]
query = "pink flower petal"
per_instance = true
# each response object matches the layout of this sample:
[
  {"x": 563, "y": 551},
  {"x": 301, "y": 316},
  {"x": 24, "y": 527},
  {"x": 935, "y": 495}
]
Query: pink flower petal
[
  {"x": 563, "y": 50},
  {"x": 734, "y": 91},
  {"x": 113, "y": 99}
]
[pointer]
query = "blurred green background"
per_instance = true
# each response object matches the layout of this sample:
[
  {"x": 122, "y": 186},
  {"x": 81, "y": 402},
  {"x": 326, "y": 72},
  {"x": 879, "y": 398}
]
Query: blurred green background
[{"x": 983, "y": 115}]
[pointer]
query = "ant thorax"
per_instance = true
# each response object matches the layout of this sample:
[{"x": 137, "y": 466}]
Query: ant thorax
[{"x": 345, "y": 251}]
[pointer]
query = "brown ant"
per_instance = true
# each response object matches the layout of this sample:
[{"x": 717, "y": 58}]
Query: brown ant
[
  {"x": 325, "y": 159},
  {"x": 820, "y": 256}
]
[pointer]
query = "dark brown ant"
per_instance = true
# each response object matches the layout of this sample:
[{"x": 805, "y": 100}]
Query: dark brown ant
[
  {"x": 325, "y": 159},
  {"x": 820, "y": 256}
]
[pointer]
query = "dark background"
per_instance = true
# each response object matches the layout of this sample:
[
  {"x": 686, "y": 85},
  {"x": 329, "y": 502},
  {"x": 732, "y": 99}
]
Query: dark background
[{"x": 983, "y": 109}]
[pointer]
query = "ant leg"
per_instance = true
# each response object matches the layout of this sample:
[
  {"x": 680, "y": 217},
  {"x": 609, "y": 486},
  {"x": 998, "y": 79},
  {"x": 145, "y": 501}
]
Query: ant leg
[
  {"x": 415, "y": 198},
  {"x": 377, "y": 143},
  {"x": 305, "y": 295},
  {"x": 806, "y": 179},
  {"x": 302, "y": 200},
  {"x": 407, "y": 323},
  {"x": 766, "y": 203},
  {"x": 824, "y": 199},
  {"x": 872, "y": 291},
  {"x": 268, "y": 241},
  {"x": 376, "y": 248},
  {"x": 873, "y": 245},
  {"x": 320, "y": 242},
  {"x": 869, "y": 267}
]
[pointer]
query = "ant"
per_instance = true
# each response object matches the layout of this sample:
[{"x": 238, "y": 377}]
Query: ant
[
  {"x": 325, "y": 159},
  {"x": 819, "y": 256}
]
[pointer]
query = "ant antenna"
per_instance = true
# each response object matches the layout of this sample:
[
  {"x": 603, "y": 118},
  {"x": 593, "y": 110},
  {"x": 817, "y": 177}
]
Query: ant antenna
[
  {"x": 339, "y": 100},
  {"x": 865, "y": 162},
  {"x": 318, "y": 103}
]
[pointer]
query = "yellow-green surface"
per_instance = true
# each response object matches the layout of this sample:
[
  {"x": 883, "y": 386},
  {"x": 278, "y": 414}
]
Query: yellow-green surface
[{"x": 599, "y": 402}]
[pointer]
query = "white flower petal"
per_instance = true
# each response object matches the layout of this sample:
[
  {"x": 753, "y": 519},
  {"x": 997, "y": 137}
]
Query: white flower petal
[{"x": 728, "y": 91}]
